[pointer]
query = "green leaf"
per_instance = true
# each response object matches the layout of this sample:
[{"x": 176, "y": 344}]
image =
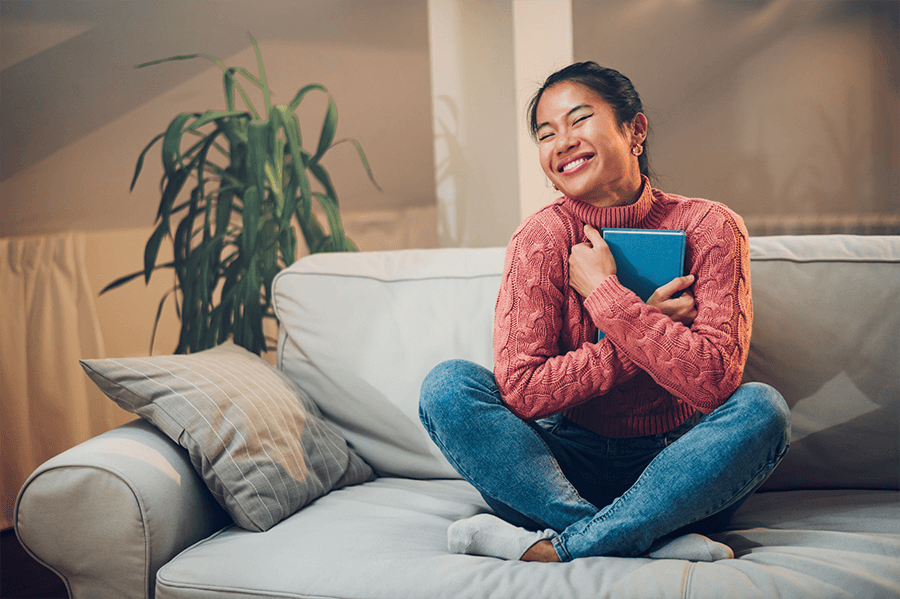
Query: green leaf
[
  {"x": 313, "y": 235},
  {"x": 322, "y": 177},
  {"x": 363, "y": 159},
  {"x": 267, "y": 93},
  {"x": 229, "y": 75},
  {"x": 228, "y": 83},
  {"x": 299, "y": 163},
  {"x": 121, "y": 281},
  {"x": 250, "y": 77},
  {"x": 140, "y": 162},
  {"x": 159, "y": 310},
  {"x": 151, "y": 250},
  {"x": 173, "y": 187},
  {"x": 201, "y": 164},
  {"x": 212, "y": 115},
  {"x": 171, "y": 59},
  {"x": 257, "y": 153},
  {"x": 295, "y": 103},
  {"x": 223, "y": 210},
  {"x": 330, "y": 206},
  {"x": 250, "y": 222},
  {"x": 275, "y": 185},
  {"x": 288, "y": 246},
  {"x": 329, "y": 127},
  {"x": 171, "y": 149}
]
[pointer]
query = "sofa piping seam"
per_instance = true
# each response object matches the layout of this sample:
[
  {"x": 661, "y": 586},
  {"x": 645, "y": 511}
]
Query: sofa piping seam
[{"x": 826, "y": 259}]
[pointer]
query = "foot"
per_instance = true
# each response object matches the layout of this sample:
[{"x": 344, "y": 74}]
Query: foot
[
  {"x": 486, "y": 534},
  {"x": 542, "y": 551},
  {"x": 692, "y": 547}
]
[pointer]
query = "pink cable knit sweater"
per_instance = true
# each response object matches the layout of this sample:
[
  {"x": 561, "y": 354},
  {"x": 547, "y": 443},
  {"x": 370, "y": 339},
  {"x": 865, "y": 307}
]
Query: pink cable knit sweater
[{"x": 649, "y": 374}]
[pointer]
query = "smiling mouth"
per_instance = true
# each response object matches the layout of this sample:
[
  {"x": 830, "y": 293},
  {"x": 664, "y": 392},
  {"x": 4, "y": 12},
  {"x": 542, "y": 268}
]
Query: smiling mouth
[{"x": 574, "y": 164}]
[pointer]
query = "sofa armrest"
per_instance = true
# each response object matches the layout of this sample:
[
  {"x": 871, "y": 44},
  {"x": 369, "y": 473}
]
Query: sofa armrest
[{"x": 108, "y": 513}]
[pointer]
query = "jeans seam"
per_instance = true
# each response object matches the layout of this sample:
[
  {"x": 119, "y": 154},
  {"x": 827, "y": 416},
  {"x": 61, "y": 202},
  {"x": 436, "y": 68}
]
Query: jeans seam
[
  {"x": 753, "y": 482},
  {"x": 560, "y": 549},
  {"x": 559, "y": 470}
]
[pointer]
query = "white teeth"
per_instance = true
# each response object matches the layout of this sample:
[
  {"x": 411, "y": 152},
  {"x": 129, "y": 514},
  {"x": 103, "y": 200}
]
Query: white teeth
[{"x": 573, "y": 164}]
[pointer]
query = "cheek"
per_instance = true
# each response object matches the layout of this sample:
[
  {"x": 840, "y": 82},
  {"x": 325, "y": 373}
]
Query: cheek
[
  {"x": 615, "y": 156},
  {"x": 544, "y": 157}
]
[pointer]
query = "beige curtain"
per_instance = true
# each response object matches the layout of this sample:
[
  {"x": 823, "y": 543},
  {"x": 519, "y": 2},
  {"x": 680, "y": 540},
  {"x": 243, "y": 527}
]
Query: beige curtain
[{"x": 48, "y": 321}]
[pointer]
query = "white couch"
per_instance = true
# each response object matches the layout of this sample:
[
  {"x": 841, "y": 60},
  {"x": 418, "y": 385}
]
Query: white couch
[{"x": 125, "y": 514}]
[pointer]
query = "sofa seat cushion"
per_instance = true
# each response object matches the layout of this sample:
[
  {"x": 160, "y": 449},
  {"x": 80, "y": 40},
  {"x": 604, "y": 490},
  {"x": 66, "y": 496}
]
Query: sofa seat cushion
[{"x": 387, "y": 539}]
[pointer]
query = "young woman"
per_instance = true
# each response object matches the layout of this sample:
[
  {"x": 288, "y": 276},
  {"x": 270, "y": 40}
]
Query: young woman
[{"x": 631, "y": 445}]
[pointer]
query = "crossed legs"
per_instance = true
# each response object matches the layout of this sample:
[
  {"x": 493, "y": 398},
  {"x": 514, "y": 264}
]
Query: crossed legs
[{"x": 701, "y": 478}]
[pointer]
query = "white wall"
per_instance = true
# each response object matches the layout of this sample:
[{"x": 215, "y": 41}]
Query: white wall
[
  {"x": 782, "y": 108},
  {"x": 472, "y": 100},
  {"x": 544, "y": 44}
]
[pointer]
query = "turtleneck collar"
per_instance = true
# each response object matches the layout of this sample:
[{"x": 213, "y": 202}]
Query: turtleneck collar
[{"x": 625, "y": 217}]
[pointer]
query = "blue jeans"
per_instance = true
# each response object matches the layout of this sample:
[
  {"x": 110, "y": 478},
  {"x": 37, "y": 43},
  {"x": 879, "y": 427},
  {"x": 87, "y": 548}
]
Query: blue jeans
[{"x": 603, "y": 496}]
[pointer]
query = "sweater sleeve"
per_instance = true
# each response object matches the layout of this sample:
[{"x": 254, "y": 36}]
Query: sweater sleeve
[
  {"x": 703, "y": 364},
  {"x": 536, "y": 376}
]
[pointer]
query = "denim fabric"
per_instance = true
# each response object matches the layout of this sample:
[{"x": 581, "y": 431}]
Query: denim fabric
[{"x": 603, "y": 496}]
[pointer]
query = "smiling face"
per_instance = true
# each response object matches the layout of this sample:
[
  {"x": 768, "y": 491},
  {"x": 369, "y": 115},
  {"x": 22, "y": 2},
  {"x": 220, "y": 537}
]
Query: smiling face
[{"x": 583, "y": 151}]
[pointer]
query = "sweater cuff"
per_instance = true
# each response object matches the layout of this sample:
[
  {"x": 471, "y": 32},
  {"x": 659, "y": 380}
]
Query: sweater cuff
[{"x": 602, "y": 302}]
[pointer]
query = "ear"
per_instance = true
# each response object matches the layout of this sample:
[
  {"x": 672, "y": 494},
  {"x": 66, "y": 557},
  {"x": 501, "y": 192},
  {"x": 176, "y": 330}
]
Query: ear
[{"x": 639, "y": 128}]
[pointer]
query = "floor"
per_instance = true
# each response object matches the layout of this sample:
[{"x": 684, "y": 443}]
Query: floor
[{"x": 21, "y": 577}]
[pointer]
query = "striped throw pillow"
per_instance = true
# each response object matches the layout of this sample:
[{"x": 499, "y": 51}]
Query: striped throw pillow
[{"x": 257, "y": 440}]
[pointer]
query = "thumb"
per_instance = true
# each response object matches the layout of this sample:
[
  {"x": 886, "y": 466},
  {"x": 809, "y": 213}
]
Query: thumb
[{"x": 593, "y": 234}]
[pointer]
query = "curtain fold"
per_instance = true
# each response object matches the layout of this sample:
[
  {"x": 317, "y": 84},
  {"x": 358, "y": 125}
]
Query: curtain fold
[{"x": 48, "y": 321}]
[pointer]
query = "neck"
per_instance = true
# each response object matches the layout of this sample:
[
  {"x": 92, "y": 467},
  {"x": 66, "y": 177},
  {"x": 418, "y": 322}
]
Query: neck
[
  {"x": 629, "y": 214},
  {"x": 623, "y": 195}
]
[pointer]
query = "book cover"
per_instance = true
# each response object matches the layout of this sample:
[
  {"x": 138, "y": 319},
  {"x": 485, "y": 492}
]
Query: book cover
[{"x": 646, "y": 259}]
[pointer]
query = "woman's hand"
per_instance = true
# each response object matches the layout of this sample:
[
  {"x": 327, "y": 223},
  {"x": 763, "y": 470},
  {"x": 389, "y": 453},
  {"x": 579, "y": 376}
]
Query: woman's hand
[
  {"x": 590, "y": 263},
  {"x": 681, "y": 309}
]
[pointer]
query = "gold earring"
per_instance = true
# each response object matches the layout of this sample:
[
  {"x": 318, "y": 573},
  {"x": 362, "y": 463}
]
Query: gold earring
[{"x": 637, "y": 149}]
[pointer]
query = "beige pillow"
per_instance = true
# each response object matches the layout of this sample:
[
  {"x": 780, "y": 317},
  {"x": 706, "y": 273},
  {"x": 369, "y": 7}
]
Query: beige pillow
[{"x": 260, "y": 444}]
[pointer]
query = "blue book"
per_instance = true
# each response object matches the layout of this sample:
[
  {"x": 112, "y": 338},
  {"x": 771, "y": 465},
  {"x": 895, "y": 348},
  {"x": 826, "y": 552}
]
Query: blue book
[{"x": 646, "y": 259}]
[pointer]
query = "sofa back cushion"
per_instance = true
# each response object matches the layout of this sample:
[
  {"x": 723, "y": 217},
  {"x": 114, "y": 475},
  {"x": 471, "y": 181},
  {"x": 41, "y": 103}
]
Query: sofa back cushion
[
  {"x": 826, "y": 334},
  {"x": 359, "y": 332}
]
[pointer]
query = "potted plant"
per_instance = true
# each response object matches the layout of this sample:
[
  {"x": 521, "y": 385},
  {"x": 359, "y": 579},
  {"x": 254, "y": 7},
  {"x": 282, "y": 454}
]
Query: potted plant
[{"x": 237, "y": 227}]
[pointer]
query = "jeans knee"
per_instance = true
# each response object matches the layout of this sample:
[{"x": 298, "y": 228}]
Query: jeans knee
[
  {"x": 766, "y": 407},
  {"x": 449, "y": 389},
  {"x": 431, "y": 394}
]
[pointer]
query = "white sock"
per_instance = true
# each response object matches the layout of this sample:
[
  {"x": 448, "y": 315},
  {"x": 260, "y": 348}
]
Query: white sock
[
  {"x": 486, "y": 534},
  {"x": 692, "y": 547}
]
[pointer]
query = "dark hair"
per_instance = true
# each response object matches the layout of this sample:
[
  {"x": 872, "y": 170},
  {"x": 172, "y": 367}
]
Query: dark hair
[{"x": 611, "y": 85}]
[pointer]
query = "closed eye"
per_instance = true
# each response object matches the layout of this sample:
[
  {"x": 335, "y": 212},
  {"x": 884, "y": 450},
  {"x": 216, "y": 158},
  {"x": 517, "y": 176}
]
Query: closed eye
[{"x": 583, "y": 118}]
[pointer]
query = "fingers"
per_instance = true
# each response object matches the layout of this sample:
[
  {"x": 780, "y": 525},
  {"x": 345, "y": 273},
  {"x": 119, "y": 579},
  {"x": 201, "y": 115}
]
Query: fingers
[
  {"x": 590, "y": 263},
  {"x": 672, "y": 287},
  {"x": 593, "y": 235}
]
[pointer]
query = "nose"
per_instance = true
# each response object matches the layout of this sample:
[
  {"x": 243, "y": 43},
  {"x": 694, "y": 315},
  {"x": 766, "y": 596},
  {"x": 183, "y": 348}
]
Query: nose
[{"x": 565, "y": 141}]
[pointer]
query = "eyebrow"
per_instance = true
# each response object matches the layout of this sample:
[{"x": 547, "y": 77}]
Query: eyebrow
[{"x": 570, "y": 113}]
